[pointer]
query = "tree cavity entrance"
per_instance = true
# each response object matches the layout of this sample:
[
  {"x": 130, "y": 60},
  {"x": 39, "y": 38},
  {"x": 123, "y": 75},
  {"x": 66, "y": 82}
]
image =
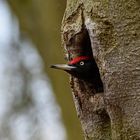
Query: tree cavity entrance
[{"x": 91, "y": 69}]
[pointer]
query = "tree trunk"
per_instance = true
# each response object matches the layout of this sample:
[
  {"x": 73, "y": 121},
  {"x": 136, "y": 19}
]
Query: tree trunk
[
  {"x": 114, "y": 31},
  {"x": 40, "y": 20}
]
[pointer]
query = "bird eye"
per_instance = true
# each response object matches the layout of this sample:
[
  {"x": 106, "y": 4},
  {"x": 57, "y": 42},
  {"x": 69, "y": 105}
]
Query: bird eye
[{"x": 82, "y": 63}]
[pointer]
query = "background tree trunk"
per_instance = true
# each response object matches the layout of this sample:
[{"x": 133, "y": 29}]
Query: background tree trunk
[
  {"x": 40, "y": 20},
  {"x": 114, "y": 30}
]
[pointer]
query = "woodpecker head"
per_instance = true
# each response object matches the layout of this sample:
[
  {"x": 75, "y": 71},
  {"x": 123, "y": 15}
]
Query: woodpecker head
[{"x": 81, "y": 67}]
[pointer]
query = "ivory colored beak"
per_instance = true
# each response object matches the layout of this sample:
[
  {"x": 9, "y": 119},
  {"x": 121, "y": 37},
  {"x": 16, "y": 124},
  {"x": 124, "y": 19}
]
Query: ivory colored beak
[{"x": 64, "y": 67}]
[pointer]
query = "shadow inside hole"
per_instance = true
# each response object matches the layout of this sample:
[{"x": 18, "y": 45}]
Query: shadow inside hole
[{"x": 92, "y": 73}]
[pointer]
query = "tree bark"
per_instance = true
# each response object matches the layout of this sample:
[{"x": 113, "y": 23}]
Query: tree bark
[{"x": 114, "y": 31}]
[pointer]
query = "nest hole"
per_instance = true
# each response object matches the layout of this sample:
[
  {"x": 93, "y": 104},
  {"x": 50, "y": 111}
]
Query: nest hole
[{"x": 95, "y": 73}]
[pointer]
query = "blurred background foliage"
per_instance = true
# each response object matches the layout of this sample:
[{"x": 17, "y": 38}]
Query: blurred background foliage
[{"x": 40, "y": 20}]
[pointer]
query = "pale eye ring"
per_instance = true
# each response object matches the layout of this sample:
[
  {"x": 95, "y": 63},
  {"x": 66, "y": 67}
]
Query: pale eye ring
[{"x": 82, "y": 63}]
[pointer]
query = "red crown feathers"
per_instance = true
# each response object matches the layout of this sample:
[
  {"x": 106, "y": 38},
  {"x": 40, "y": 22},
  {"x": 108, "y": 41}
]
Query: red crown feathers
[{"x": 78, "y": 59}]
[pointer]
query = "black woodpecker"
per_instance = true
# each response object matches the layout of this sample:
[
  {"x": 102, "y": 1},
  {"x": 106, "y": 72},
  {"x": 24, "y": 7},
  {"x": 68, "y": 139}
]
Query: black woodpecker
[
  {"x": 79, "y": 67},
  {"x": 85, "y": 68}
]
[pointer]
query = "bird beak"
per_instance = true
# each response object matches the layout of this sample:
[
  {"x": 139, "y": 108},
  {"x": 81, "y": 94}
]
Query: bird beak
[{"x": 64, "y": 67}]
